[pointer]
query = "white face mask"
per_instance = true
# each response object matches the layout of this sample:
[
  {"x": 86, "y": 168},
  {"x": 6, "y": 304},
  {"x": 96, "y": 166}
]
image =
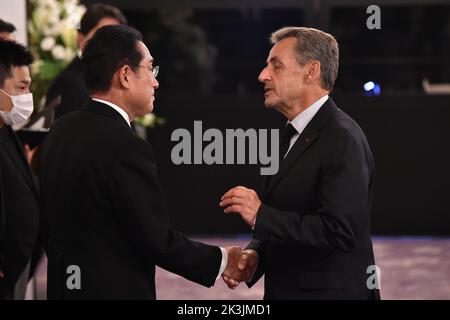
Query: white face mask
[{"x": 21, "y": 110}]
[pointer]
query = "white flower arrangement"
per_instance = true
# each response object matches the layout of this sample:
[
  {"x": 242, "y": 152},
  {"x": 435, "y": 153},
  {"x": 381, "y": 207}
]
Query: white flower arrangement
[
  {"x": 150, "y": 120},
  {"x": 52, "y": 28},
  {"x": 47, "y": 43}
]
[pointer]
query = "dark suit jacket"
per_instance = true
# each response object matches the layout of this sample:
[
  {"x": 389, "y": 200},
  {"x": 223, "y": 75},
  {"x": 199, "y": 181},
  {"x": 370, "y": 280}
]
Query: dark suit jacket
[
  {"x": 19, "y": 213},
  {"x": 107, "y": 213},
  {"x": 312, "y": 231},
  {"x": 70, "y": 85}
]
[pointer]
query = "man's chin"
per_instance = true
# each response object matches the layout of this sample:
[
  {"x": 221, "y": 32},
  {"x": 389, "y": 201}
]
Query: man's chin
[{"x": 269, "y": 104}]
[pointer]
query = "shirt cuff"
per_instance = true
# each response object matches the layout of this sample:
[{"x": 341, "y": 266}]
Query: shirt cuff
[
  {"x": 254, "y": 223},
  {"x": 224, "y": 262}
]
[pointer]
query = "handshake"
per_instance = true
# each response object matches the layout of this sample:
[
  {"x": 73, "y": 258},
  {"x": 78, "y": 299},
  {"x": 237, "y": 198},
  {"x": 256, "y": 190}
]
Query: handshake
[{"x": 240, "y": 267}]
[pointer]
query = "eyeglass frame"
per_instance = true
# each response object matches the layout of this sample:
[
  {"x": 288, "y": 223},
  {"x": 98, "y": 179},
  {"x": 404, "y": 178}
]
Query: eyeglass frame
[{"x": 153, "y": 69}]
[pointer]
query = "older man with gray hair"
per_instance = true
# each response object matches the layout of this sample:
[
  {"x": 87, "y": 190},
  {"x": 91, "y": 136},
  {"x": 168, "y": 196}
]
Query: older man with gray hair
[{"x": 311, "y": 230}]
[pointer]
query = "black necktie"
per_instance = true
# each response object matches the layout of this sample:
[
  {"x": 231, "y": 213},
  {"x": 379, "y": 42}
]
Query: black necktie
[{"x": 285, "y": 140}]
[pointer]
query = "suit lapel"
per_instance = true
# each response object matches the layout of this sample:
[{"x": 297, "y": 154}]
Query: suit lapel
[
  {"x": 299, "y": 147},
  {"x": 306, "y": 139}
]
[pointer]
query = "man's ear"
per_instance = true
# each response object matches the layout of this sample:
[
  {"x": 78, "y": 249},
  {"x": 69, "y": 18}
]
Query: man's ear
[
  {"x": 124, "y": 74},
  {"x": 5, "y": 102},
  {"x": 313, "y": 71}
]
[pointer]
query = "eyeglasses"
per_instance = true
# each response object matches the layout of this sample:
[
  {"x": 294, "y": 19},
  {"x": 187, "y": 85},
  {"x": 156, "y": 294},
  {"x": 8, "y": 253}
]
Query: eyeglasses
[{"x": 154, "y": 70}]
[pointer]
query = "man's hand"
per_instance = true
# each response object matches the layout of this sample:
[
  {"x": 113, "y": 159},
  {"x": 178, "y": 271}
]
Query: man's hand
[
  {"x": 246, "y": 266},
  {"x": 231, "y": 270},
  {"x": 243, "y": 201}
]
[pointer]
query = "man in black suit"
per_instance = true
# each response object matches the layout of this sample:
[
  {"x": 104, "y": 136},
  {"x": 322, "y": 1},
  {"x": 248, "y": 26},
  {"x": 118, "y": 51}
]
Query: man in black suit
[
  {"x": 107, "y": 215},
  {"x": 19, "y": 205},
  {"x": 311, "y": 234},
  {"x": 69, "y": 84}
]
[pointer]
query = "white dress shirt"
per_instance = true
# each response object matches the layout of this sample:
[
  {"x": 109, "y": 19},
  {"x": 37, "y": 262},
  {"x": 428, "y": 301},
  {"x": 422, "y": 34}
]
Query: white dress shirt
[
  {"x": 122, "y": 112},
  {"x": 115, "y": 107},
  {"x": 303, "y": 118},
  {"x": 224, "y": 262}
]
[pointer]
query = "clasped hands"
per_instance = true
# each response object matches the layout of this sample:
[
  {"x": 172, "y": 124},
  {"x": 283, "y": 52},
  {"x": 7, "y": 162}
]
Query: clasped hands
[
  {"x": 241, "y": 264},
  {"x": 240, "y": 267}
]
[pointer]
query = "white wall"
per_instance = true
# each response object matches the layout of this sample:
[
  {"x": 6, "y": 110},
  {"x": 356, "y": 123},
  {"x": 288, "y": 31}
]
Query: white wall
[{"x": 15, "y": 12}]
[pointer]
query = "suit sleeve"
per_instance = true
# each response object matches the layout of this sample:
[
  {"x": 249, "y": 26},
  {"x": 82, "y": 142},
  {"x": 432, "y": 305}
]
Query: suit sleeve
[
  {"x": 258, "y": 246},
  {"x": 2, "y": 218},
  {"x": 52, "y": 92},
  {"x": 142, "y": 210},
  {"x": 343, "y": 195}
]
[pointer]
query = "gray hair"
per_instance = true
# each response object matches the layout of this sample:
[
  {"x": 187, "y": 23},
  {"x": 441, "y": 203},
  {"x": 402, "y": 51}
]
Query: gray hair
[{"x": 313, "y": 44}]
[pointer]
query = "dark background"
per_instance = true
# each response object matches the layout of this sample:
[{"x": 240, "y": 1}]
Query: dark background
[
  {"x": 409, "y": 137},
  {"x": 211, "y": 52}
]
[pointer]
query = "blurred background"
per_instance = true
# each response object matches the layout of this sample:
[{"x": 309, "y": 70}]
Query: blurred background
[
  {"x": 211, "y": 53},
  {"x": 393, "y": 81}
]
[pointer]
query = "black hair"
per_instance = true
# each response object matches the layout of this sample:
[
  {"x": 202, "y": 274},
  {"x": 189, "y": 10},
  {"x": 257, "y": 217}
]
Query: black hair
[
  {"x": 97, "y": 12},
  {"x": 110, "y": 48},
  {"x": 6, "y": 26},
  {"x": 12, "y": 54}
]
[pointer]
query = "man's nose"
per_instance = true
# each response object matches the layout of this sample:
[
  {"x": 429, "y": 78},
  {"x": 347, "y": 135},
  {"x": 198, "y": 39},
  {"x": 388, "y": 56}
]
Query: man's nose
[
  {"x": 155, "y": 83},
  {"x": 264, "y": 75}
]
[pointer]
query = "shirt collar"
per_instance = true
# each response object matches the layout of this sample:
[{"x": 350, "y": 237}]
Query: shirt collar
[
  {"x": 115, "y": 107},
  {"x": 303, "y": 118}
]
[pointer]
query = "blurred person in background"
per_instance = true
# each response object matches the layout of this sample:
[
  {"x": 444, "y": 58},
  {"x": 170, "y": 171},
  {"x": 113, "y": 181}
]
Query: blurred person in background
[
  {"x": 69, "y": 85},
  {"x": 7, "y": 30}
]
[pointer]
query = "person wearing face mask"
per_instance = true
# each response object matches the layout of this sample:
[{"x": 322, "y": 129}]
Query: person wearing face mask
[
  {"x": 20, "y": 110},
  {"x": 19, "y": 209}
]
